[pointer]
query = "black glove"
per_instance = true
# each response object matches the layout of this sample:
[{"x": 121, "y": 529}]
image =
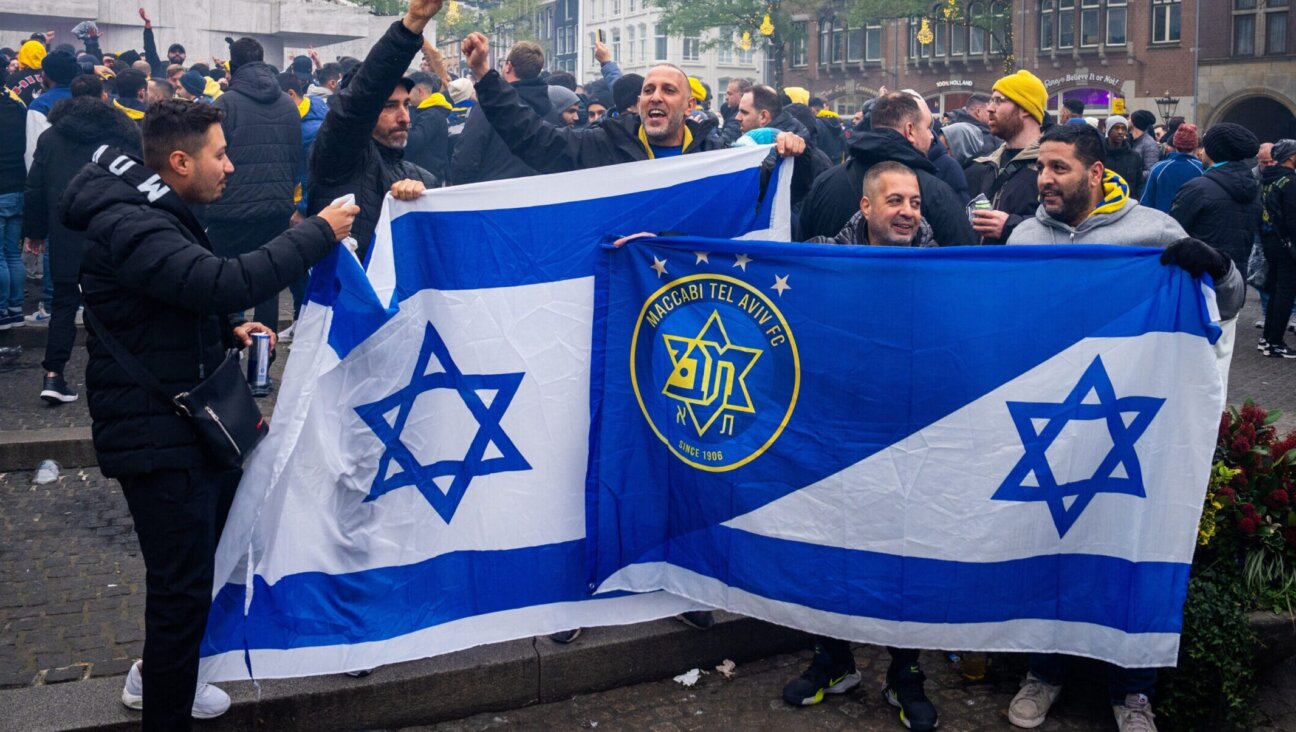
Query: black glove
[{"x": 1196, "y": 257}]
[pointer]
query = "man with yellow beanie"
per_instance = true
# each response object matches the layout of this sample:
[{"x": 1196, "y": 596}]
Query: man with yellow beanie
[
  {"x": 1007, "y": 176},
  {"x": 27, "y": 82}
]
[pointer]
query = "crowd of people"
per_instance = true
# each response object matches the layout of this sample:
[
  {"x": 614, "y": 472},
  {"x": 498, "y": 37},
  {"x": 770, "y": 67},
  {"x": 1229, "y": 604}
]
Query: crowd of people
[{"x": 168, "y": 197}]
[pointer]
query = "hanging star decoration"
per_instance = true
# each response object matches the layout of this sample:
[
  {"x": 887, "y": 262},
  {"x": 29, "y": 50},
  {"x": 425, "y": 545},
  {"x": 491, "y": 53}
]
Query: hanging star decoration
[
  {"x": 398, "y": 467},
  {"x": 1032, "y": 478},
  {"x": 925, "y": 35}
]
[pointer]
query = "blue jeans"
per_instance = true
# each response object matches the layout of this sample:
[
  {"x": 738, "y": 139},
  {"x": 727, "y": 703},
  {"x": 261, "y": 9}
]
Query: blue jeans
[
  {"x": 12, "y": 271},
  {"x": 1051, "y": 669}
]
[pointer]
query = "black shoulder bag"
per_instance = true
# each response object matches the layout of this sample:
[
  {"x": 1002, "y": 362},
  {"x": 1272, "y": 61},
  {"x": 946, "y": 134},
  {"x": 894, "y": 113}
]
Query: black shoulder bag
[{"x": 221, "y": 407}]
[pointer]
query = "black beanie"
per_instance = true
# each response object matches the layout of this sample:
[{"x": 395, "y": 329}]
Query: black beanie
[
  {"x": 1227, "y": 142},
  {"x": 1143, "y": 119},
  {"x": 60, "y": 67},
  {"x": 625, "y": 91}
]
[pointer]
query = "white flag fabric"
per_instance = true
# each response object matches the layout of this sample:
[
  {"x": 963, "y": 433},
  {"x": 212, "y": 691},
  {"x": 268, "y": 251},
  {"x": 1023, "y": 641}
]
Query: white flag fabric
[{"x": 422, "y": 487}]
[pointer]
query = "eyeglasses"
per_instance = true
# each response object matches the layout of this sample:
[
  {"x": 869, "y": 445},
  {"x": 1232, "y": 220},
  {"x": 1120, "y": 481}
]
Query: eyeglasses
[{"x": 996, "y": 100}]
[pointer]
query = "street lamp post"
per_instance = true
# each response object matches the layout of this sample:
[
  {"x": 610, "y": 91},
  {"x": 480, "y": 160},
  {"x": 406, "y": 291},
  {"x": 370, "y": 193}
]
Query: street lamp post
[{"x": 1166, "y": 105}]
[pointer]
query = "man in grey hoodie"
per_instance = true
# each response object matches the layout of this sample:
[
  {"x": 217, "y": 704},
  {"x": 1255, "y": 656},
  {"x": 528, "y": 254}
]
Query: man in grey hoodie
[{"x": 1082, "y": 203}]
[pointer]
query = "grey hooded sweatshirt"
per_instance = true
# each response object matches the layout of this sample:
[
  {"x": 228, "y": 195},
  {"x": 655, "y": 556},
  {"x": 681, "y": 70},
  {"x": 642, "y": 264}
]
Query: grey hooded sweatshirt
[{"x": 1131, "y": 225}]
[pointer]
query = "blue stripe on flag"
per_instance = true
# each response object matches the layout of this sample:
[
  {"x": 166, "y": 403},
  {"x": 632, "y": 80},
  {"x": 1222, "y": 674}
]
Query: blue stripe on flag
[{"x": 1134, "y": 597}]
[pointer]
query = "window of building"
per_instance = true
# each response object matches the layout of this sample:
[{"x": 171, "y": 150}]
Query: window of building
[
  {"x": 616, "y": 44},
  {"x": 976, "y": 32},
  {"x": 643, "y": 41},
  {"x": 746, "y": 58},
  {"x": 838, "y": 41},
  {"x": 630, "y": 6},
  {"x": 616, "y": 7},
  {"x": 630, "y": 44},
  {"x": 855, "y": 44},
  {"x": 998, "y": 26},
  {"x": 1117, "y": 22},
  {"x": 1244, "y": 27},
  {"x": 1165, "y": 21},
  {"x": 692, "y": 49},
  {"x": 940, "y": 31},
  {"x": 873, "y": 42},
  {"x": 659, "y": 42},
  {"x": 1275, "y": 32},
  {"x": 1066, "y": 22},
  {"x": 724, "y": 52},
  {"x": 825, "y": 40},
  {"x": 602, "y": 9},
  {"x": 1047, "y": 29},
  {"x": 1089, "y": 23},
  {"x": 799, "y": 30}
]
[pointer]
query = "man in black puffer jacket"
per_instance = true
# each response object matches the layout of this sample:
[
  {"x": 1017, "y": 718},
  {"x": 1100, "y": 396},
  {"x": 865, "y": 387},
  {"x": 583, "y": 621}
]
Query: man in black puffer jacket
[
  {"x": 361, "y": 145},
  {"x": 78, "y": 127},
  {"x": 150, "y": 279},
  {"x": 901, "y": 132},
  {"x": 480, "y": 154},
  {"x": 263, "y": 128},
  {"x": 1222, "y": 207}
]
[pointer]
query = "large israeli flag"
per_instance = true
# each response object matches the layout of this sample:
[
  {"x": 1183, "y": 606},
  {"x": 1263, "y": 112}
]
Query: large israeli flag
[
  {"x": 422, "y": 487},
  {"x": 988, "y": 448}
]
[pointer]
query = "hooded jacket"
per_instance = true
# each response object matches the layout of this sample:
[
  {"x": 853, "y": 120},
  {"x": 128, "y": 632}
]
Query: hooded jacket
[
  {"x": 1222, "y": 208},
  {"x": 1278, "y": 194},
  {"x": 77, "y": 128},
  {"x": 836, "y": 194},
  {"x": 13, "y": 143},
  {"x": 480, "y": 154},
  {"x": 830, "y": 136},
  {"x": 1167, "y": 177},
  {"x": 1010, "y": 186},
  {"x": 346, "y": 158},
  {"x": 1127, "y": 163},
  {"x": 948, "y": 170},
  {"x": 856, "y": 232},
  {"x": 312, "y": 111},
  {"x": 38, "y": 116},
  {"x": 429, "y": 136},
  {"x": 1120, "y": 220},
  {"x": 987, "y": 142},
  {"x": 150, "y": 278},
  {"x": 263, "y": 130},
  {"x": 550, "y": 149},
  {"x": 27, "y": 83},
  {"x": 810, "y": 165}
]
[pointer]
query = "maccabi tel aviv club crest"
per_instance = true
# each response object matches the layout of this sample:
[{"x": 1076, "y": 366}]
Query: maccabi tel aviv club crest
[{"x": 715, "y": 367}]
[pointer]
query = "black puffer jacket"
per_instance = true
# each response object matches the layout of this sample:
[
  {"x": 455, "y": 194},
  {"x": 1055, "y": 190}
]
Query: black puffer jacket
[
  {"x": 150, "y": 278},
  {"x": 480, "y": 154},
  {"x": 263, "y": 131},
  {"x": 809, "y": 165},
  {"x": 346, "y": 158},
  {"x": 78, "y": 127},
  {"x": 1222, "y": 208},
  {"x": 836, "y": 194},
  {"x": 13, "y": 144},
  {"x": 1128, "y": 164},
  {"x": 830, "y": 136},
  {"x": 551, "y": 149}
]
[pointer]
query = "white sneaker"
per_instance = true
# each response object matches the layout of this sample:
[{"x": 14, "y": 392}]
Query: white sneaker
[
  {"x": 286, "y": 335},
  {"x": 1031, "y": 705},
  {"x": 1135, "y": 715},
  {"x": 40, "y": 316},
  {"x": 1291, "y": 324},
  {"x": 209, "y": 701},
  {"x": 1259, "y": 323}
]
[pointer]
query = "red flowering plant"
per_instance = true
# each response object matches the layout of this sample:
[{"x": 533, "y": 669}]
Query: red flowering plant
[{"x": 1250, "y": 512}]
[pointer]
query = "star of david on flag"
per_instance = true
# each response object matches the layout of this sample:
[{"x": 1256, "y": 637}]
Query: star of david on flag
[
  {"x": 1127, "y": 418},
  {"x": 436, "y": 369}
]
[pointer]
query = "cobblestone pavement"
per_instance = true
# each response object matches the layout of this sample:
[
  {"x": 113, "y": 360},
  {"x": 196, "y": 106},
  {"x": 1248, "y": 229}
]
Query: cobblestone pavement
[{"x": 751, "y": 701}]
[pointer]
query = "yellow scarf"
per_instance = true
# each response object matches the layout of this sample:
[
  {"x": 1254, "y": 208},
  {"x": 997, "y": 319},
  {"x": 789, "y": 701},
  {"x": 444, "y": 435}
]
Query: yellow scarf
[
  {"x": 643, "y": 139},
  {"x": 826, "y": 113},
  {"x": 1115, "y": 193},
  {"x": 303, "y": 107},
  {"x": 134, "y": 114},
  {"x": 434, "y": 100}
]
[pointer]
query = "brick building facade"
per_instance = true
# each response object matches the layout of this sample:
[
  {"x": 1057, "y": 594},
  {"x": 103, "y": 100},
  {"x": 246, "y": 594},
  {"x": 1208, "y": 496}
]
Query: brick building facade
[
  {"x": 1103, "y": 52},
  {"x": 1248, "y": 66}
]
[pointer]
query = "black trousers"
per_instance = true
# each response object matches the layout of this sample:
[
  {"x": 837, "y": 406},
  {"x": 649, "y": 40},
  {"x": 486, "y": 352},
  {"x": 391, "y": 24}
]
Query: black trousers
[
  {"x": 62, "y": 326},
  {"x": 1282, "y": 288},
  {"x": 840, "y": 652},
  {"x": 232, "y": 238},
  {"x": 179, "y": 516}
]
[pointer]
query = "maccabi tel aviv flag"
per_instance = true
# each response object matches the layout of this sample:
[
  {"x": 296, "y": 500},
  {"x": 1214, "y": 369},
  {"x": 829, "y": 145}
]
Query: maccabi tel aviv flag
[
  {"x": 979, "y": 448},
  {"x": 422, "y": 487}
]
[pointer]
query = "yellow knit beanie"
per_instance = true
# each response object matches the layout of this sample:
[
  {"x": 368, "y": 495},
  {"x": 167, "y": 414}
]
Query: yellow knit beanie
[{"x": 1026, "y": 90}]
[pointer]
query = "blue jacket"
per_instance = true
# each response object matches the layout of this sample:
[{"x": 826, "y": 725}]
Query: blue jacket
[
  {"x": 311, "y": 121},
  {"x": 1167, "y": 177}
]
